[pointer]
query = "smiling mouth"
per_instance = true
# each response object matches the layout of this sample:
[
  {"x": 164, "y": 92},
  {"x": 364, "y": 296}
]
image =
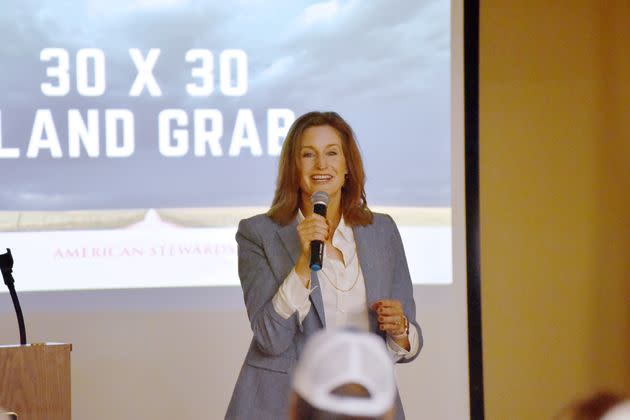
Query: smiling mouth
[{"x": 321, "y": 178}]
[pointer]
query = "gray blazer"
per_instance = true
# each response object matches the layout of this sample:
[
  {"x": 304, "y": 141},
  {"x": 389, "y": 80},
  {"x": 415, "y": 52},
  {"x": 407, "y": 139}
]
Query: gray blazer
[{"x": 266, "y": 254}]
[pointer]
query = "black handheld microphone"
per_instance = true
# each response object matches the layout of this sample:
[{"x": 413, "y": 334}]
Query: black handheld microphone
[
  {"x": 320, "y": 201},
  {"x": 6, "y": 266}
]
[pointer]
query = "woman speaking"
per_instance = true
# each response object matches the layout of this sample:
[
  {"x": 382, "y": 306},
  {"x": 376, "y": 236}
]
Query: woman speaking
[{"x": 361, "y": 282}]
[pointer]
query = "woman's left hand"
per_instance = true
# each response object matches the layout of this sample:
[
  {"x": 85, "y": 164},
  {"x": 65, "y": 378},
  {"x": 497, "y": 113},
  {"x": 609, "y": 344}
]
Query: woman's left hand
[{"x": 391, "y": 319}]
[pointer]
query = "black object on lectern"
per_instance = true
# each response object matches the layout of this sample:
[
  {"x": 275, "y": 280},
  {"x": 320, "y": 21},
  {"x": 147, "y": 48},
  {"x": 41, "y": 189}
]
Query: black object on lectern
[{"x": 6, "y": 266}]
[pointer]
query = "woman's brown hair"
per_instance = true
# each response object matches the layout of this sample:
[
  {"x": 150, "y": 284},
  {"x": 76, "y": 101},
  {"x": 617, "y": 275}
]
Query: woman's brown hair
[{"x": 286, "y": 200}]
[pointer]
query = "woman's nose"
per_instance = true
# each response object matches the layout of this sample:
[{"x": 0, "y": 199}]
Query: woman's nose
[{"x": 321, "y": 162}]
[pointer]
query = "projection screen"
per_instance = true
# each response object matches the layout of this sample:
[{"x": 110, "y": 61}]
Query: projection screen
[{"x": 135, "y": 134}]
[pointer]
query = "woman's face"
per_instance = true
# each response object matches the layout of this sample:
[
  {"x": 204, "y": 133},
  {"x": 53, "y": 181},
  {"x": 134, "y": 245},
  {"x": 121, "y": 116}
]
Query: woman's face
[{"x": 321, "y": 162}]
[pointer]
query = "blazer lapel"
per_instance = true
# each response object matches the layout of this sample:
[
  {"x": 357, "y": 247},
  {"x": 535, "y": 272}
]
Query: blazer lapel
[
  {"x": 290, "y": 240},
  {"x": 316, "y": 298},
  {"x": 289, "y": 237},
  {"x": 364, "y": 237}
]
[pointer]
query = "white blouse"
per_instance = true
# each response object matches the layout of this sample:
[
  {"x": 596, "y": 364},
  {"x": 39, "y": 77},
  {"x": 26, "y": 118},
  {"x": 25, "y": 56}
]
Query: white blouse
[{"x": 343, "y": 292}]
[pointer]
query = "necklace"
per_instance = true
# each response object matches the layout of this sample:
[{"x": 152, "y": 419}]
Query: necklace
[{"x": 339, "y": 289}]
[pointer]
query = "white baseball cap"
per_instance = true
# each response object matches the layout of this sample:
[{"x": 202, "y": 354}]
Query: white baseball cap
[
  {"x": 620, "y": 411},
  {"x": 332, "y": 358}
]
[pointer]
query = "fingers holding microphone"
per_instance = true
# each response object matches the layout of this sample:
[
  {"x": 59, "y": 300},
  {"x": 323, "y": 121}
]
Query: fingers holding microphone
[{"x": 312, "y": 228}]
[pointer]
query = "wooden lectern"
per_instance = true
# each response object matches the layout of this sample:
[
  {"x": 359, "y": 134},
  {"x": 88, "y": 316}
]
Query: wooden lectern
[{"x": 35, "y": 381}]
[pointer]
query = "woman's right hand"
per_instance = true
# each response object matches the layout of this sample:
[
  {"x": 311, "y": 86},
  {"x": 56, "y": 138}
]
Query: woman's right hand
[{"x": 312, "y": 228}]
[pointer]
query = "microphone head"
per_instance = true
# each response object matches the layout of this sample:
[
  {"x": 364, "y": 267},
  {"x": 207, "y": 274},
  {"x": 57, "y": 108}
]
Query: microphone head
[
  {"x": 6, "y": 260},
  {"x": 320, "y": 197}
]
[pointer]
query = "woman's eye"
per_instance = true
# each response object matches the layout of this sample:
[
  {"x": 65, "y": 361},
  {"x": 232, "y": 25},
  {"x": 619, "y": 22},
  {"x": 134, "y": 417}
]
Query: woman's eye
[
  {"x": 332, "y": 153},
  {"x": 307, "y": 155}
]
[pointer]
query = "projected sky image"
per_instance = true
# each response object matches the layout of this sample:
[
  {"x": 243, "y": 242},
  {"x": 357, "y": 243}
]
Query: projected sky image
[{"x": 122, "y": 130}]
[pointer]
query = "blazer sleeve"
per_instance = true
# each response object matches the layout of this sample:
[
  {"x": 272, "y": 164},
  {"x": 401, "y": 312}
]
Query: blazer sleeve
[
  {"x": 272, "y": 333},
  {"x": 402, "y": 289}
]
